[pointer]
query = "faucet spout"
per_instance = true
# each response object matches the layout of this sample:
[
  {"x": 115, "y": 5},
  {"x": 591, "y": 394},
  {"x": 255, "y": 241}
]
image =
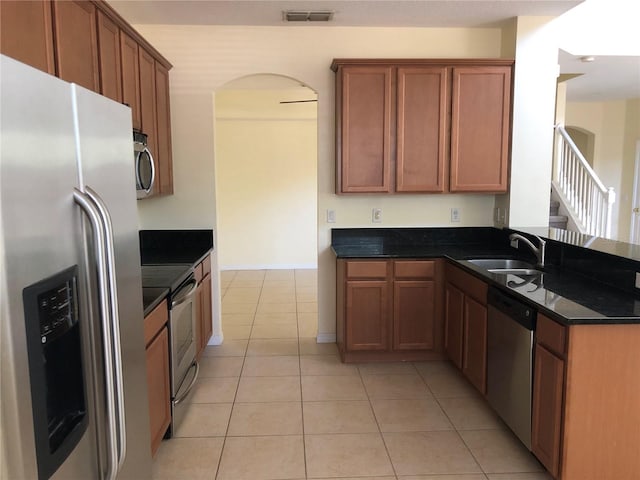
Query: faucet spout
[{"x": 539, "y": 251}]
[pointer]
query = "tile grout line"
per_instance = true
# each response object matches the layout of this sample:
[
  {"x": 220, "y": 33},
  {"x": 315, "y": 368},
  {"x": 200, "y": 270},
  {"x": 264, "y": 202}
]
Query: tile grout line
[
  {"x": 233, "y": 403},
  {"x": 375, "y": 417},
  {"x": 455, "y": 428},
  {"x": 304, "y": 438}
]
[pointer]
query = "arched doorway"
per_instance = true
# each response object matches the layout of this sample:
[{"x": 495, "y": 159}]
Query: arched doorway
[{"x": 266, "y": 173}]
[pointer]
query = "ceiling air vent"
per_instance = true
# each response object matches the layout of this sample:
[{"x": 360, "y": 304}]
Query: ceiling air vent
[{"x": 308, "y": 16}]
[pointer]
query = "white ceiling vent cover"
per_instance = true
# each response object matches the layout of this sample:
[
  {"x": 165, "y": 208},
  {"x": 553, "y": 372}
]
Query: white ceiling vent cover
[{"x": 307, "y": 16}]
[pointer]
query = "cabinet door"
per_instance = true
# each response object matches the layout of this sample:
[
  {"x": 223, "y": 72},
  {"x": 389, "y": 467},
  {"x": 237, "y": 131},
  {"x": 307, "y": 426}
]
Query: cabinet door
[
  {"x": 109, "y": 58},
  {"x": 198, "y": 303},
  {"x": 26, "y": 33},
  {"x": 163, "y": 151},
  {"x": 367, "y": 315},
  {"x": 157, "y": 356},
  {"x": 146, "y": 64},
  {"x": 480, "y": 129},
  {"x": 474, "y": 361},
  {"x": 422, "y": 101},
  {"x": 76, "y": 43},
  {"x": 364, "y": 129},
  {"x": 207, "y": 314},
  {"x": 130, "y": 77},
  {"x": 413, "y": 314},
  {"x": 548, "y": 384},
  {"x": 454, "y": 314}
]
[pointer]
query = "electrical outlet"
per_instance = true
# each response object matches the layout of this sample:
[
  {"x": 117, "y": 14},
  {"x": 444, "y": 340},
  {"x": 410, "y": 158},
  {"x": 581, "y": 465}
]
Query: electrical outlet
[
  {"x": 331, "y": 216},
  {"x": 455, "y": 215},
  {"x": 376, "y": 215},
  {"x": 496, "y": 215}
]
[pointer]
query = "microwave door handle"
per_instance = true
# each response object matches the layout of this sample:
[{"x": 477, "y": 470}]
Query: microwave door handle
[
  {"x": 114, "y": 322},
  {"x": 153, "y": 171},
  {"x": 93, "y": 214},
  {"x": 137, "y": 169}
]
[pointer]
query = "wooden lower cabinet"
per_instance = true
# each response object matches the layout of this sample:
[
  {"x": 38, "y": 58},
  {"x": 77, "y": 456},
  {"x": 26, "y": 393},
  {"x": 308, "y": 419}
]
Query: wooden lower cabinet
[
  {"x": 466, "y": 325},
  {"x": 548, "y": 384},
  {"x": 474, "y": 357},
  {"x": 204, "y": 314},
  {"x": 158, "y": 370},
  {"x": 413, "y": 314},
  {"x": 454, "y": 321},
  {"x": 389, "y": 310},
  {"x": 367, "y": 315},
  {"x": 586, "y": 392}
]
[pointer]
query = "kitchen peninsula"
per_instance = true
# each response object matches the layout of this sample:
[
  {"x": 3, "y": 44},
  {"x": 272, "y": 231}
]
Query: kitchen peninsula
[{"x": 586, "y": 388}]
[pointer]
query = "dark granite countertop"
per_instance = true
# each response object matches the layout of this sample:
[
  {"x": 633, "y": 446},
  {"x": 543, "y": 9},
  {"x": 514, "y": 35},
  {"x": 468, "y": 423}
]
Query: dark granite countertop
[
  {"x": 565, "y": 294},
  {"x": 167, "y": 257}
]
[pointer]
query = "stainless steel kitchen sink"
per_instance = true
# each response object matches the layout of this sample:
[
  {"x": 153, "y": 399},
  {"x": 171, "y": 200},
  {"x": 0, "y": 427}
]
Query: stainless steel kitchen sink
[
  {"x": 501, "y": 264},
  {"x": 527, "y": 272},
  {"x": 506, "y": 266}
]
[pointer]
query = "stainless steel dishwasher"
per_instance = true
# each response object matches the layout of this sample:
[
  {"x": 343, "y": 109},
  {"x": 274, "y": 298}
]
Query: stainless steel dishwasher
[{"x": 510, "y": 361}]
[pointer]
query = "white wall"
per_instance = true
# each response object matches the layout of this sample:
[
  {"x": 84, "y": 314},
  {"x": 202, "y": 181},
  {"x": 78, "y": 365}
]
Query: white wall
[
  {"x": 207, "y": 57},
  {"x": 266, "y": 187}
]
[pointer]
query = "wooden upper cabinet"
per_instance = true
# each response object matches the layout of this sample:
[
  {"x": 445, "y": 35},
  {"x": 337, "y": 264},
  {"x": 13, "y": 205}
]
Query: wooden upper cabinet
[
  {"x": 364, "y": 146},
  {"x": 480, "y": 128},
  {"x": 109, "y": 57},
  {"x": 130, "y": 77},
  {"x": 163, "y": 113},
  {"x": 422, "y": 103},
  {"x": 76, "y": 43},
  {"x": 148, "y": 119},
  {"x": 26, "y": 33}
]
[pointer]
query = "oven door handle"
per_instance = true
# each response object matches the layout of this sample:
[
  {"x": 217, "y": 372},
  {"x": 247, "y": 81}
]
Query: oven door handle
[
  {"x": 184, "y": 297},
  {"x": 181, "y": 398}
]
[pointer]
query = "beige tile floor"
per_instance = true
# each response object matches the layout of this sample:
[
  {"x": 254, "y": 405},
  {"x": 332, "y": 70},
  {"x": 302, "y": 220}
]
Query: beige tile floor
[{"x": 272, "y": 404}]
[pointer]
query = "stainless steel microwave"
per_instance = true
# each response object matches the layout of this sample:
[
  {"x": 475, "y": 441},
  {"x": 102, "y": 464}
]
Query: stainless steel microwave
[{"x": 144, "y": 166}]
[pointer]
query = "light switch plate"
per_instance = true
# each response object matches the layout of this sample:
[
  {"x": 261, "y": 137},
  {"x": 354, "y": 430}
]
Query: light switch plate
[
  {"x": 331, "y": 216},
  {"x": 455, "y": 215}
]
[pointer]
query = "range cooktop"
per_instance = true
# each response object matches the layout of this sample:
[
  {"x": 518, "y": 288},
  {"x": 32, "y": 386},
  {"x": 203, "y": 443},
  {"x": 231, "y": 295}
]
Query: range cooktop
[{"x": 165, "y": 276}]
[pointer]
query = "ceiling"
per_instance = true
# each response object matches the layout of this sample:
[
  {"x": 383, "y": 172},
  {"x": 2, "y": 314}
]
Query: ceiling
[
  {"x": 382, "y": 13},
  {"x": 607, "y": 78}
]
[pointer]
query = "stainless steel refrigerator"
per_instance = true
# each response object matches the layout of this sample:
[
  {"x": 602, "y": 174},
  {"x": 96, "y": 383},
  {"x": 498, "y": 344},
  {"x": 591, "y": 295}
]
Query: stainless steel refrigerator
[{"x": 74, "y": 391}]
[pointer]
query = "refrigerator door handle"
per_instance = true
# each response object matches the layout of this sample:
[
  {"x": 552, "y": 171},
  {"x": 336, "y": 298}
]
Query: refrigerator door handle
[
  {"x": 93, "y": 214},
  {"x": 114, "y": 321}
]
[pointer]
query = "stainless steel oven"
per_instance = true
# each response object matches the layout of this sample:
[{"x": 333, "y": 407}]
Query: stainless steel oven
[{"x": 182, "y": 339}]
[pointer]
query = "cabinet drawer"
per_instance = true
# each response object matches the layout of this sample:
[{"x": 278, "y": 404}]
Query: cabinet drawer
[
  {"x": 470, "y": 285},
  {"x": 366, "y": 269},
  {"x": 155, "y": 321},
  {"x": 551, "y": 334},
  {"x": 414, "y": 269}
]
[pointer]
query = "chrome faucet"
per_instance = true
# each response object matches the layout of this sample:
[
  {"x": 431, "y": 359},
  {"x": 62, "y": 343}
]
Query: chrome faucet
[{"x": 537, "y": 251}]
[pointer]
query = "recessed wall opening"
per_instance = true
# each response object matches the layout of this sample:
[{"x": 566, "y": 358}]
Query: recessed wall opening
[{"x": 266, "y": 173}]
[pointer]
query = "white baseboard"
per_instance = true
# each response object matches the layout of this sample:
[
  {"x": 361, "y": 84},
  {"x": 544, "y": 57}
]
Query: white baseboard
[
  {"x": 216, "y": 340},
  {"x": 278, "y": 266},
  {"x": 326, "y": 338}
]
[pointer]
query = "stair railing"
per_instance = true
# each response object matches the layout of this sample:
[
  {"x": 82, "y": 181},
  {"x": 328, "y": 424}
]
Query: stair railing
[{"x": 591, "y": 202}]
